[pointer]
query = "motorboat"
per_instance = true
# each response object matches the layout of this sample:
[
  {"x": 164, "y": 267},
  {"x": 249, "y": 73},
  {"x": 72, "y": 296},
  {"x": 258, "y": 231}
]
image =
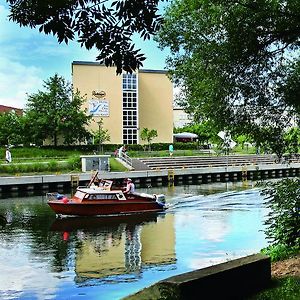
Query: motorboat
[{"x": 102, "y": 199}]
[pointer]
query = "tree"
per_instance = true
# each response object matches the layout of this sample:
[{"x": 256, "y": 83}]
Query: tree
[
  {"x": 283, "y": 219},
  {"x": 56, "y": 113},
  {"x": 236, "y": 61},
  {"x": 106, "y": 25},
  {"x": 292, "y": 137},
  {"x": 148, "y": 135},
  {"x": 101, "y": 135},
  {"x": 11, "y": 128}
]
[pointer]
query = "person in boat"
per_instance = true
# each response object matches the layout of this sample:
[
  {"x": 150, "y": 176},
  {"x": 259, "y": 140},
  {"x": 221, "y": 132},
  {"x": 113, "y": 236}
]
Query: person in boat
[{"x": 130, "y": 188}]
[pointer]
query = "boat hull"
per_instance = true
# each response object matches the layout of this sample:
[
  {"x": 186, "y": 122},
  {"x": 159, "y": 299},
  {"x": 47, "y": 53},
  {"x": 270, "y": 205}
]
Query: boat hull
[{"x": 109, "y": 208}]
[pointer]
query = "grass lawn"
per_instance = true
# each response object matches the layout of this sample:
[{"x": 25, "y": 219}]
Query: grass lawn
[
  {"x": 34, "y": 160},
  {"x": 287, "y": 288}
]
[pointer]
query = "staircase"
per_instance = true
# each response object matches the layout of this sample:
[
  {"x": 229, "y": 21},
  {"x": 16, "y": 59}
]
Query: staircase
[{"x": 156, "y": 163}]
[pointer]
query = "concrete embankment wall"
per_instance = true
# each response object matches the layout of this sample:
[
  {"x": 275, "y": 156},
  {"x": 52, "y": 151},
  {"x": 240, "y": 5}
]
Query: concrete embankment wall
[
  {"x": 234, "y": 279},
  {"x": 153, "y": 177}
]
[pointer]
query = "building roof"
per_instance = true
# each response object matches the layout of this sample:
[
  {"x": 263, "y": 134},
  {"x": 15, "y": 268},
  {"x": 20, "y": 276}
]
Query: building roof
[
  {"x": 91, "y": 63},
  {"x": 4, "y": 108},
  {"x": 95, "y": 63}
]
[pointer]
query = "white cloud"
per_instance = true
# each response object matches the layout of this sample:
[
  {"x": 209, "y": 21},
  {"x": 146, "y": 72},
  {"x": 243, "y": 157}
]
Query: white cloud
[
  {"x": 15, "y": 81},
  {"x": 22, "y": 273},
  {"x": 217, "y": 258},
  {"x": 214, "y": 227}
]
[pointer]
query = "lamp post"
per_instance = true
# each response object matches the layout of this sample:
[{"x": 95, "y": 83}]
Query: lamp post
[{"x": 100, "y": 125}]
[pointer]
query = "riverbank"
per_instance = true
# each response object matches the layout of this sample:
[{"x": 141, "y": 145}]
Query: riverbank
[
  {"x": 287, "y": 267},
  {"x": 285, "y": 281},
  {"x": 153, "y": 177}
]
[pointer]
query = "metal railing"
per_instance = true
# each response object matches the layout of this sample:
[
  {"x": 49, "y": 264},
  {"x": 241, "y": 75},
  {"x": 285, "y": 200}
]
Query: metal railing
[{"x": 125, "y": 158}]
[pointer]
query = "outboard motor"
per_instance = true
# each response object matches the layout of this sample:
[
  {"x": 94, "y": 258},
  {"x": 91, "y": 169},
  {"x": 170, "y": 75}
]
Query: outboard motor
[{"x": 161, "y": 199}]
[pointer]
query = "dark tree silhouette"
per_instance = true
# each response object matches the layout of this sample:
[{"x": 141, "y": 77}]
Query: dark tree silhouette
[{"x": 106, "y": 25}]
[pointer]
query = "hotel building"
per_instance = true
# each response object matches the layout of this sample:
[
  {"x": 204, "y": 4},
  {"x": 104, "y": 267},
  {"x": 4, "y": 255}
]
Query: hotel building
[{"x": 127, "y": 103}]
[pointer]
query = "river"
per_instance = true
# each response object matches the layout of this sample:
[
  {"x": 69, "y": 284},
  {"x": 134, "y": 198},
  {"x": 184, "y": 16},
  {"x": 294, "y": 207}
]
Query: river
[{"x": 42, "y": 257}]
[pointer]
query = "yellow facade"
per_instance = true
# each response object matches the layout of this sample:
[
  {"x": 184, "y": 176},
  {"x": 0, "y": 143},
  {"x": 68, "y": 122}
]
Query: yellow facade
[
  {"x": 103, "y": 88},
  {"x": 156, "y": 104},
  {"x": 126, "y": 248}
]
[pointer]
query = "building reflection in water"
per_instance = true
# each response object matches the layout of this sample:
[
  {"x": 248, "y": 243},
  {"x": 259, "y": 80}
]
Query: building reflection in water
[{"x": 121, "y": 245}]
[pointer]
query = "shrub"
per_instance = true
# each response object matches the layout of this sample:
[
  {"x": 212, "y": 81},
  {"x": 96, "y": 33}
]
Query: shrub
[
  {"x": 280, "y": 252},
  {"x": 283, "y": 220},
  {"x": 26, "y": 168},
  {"x": 74, "y": 162},
  {"x": 186, "y": 146},
  {"x": 286, "y": 288},
  {"x": 52, "y": 165},
  {"x": 14, "y": 169},
  {"x": 38, "y": 167}
]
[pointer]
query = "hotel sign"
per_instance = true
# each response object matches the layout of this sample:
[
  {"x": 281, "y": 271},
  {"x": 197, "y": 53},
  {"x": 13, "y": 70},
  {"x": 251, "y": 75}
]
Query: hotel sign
[
  {"x": 99, "y": 108},
  {"x": 99, "y": 94}
]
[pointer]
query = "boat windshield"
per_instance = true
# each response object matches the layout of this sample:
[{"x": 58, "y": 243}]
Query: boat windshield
[
  {"x": 105, "y": 184},
  {"x": 79, "y": 195}
]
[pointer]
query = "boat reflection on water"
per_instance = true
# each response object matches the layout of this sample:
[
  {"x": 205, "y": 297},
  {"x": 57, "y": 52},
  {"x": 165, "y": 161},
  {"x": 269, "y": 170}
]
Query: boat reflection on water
[
  {"x": 118, "y": 245},
  {"x": 94, "y": 223}
]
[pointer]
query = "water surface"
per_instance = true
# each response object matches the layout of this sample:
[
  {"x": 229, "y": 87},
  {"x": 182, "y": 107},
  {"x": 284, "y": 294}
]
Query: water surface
[{"x": 42, "y": 257}]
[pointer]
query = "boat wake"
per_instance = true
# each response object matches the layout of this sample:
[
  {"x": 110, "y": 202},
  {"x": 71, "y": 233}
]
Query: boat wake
[{"x": 233, "y": 200}]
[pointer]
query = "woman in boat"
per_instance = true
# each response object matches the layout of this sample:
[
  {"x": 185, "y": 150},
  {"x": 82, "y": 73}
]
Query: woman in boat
[{"x": 130, "y": 188}]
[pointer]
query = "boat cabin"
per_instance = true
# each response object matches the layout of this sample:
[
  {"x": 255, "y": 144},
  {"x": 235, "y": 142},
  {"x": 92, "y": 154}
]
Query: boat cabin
[{"x": 90, "y": 194}]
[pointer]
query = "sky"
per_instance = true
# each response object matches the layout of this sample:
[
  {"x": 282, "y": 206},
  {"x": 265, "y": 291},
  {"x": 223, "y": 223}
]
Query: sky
[{"x": 28, "y": 57}]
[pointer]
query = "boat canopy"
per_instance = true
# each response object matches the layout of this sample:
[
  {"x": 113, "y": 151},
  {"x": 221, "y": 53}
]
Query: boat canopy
[{"x": 185, "y": 135}]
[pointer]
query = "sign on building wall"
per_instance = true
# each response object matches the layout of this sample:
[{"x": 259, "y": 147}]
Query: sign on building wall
[{"x": 99, "y": 108}]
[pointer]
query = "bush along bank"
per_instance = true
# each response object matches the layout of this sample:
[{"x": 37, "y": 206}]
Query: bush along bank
[
  {"x": 283, "y": 231},
  {"x": 73, "y": 163},
  {"x": 283, "y": 220}
]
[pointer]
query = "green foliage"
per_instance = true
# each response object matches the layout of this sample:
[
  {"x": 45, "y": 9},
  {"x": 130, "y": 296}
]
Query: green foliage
[
  {"x": 53, "y": 166},
  {"x": 280, "y": 252},
  {"x": 164, "y": 146},
  {"x": 241, "y": 139},
  {"x": 292, "y": 138},
  {"x": 148, "y": 135},
  {"x": 11, "y": 128},
  {"x": 271, "y": 139},
  {"x": 106, "y": 25},
  {"x": 44, "y": 152},
  {"x": 101, "y": 135},
  {"x": 283, "y": 220},
  {"x": 237, "y": 63},
  {"x": 242, "y": 149},
  {"x": 205, "y": 130},
  {"x": 74, "y": 162},
  {"x": 41, "y": 167},
  {"x": 56, "y": 113},
  {"x": 284, "y": 289}
]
